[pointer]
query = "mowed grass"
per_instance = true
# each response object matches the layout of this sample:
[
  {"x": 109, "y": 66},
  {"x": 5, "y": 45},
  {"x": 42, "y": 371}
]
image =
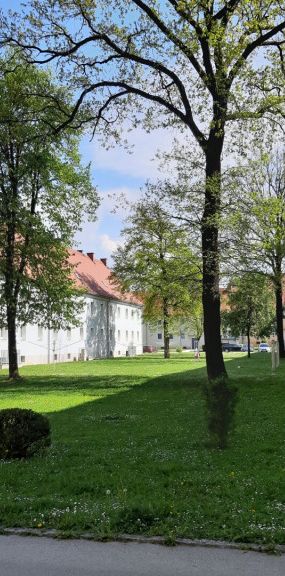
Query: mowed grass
[{"x": 129, "y": 451}]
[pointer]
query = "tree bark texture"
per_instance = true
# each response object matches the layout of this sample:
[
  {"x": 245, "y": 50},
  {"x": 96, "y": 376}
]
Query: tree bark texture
[
  {"x": 11, "y": 298},
  {"x": 166, "y": 329},
  {"x": 12, "y": 342},
  {"x": 248, "y": 341},
  {"x": 210, "y": 252},
  {"x": 279, "y": 318}
]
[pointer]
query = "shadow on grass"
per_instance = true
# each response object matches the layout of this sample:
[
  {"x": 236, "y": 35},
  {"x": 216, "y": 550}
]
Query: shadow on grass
[
  {"x": 135, "y": 460},
  {"x": 86, "y": 377}
]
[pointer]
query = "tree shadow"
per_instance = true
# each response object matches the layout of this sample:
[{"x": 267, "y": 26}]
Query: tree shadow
[{"x": 138, "y": 446}]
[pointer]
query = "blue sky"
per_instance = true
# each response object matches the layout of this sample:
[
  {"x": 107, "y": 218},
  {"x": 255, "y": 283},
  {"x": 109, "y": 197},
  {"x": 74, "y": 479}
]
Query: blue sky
[
  {"x": 118, "y": 172},
  {"x": 114, "y": 171}
]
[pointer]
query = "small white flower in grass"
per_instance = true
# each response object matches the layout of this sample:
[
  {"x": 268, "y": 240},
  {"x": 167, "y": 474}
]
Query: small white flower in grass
[{"x": 108, "y": 492}]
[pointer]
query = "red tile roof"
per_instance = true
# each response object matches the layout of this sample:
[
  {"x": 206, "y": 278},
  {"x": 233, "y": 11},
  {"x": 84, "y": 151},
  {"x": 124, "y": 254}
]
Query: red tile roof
[{"x": 93, "y": 276}]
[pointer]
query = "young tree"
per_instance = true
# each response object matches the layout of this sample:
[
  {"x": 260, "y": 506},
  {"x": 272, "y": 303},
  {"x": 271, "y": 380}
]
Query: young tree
[
  {"x": 259, "y": 225},
  {"x": 43, "y": 192},
  {"x": 251, "y": 309},
  {"x": 197, "y": 321},
  {"x": 155, "y": 261},
  {"x": 192, "y": 64}
]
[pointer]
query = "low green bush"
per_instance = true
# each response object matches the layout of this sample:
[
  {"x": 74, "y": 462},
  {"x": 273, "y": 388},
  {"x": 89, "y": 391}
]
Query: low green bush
[
  {"x": 178, "y": 349},
  {"x": 22, "y": 433}
]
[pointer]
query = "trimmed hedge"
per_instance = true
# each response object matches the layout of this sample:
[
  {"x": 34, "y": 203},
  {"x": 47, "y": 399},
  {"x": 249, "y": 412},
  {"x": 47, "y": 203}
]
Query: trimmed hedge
[{"x": 22, "y": 433}]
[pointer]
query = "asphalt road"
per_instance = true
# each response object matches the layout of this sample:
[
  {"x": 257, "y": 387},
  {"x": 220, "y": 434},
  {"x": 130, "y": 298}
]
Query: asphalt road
[{"x": 27, "y": 556}]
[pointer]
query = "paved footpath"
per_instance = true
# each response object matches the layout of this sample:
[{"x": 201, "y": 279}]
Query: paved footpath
[{"x": 30, "y": 556}]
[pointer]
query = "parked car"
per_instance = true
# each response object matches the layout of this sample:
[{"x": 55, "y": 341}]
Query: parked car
[
  {"x": 263, "y": 347},
  {"x": 231, "y": 347},
  {"x": 244, "y": 348}
]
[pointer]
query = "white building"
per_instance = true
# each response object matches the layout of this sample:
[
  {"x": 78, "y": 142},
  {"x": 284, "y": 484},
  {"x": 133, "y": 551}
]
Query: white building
[
  {"x": 110, "y": 324},
  {"x": 182, "y": 337}
]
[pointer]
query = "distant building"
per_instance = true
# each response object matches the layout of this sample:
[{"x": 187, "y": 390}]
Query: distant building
[
  {"x": 110, "y": 324},
  {"x": 183, "y": 337}
]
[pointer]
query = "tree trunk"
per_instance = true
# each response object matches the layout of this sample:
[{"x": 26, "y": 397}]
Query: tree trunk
[
  {"x": 210, "y": 251},
  {"x": 12, "y": 342},
  {"x": 166, "y": 347},
  {"x": 248, "y": 342},
  {"x": 11, "y": 296},
  {"x": 279, "y": 317},
  {"x": 166, "y": 331}
]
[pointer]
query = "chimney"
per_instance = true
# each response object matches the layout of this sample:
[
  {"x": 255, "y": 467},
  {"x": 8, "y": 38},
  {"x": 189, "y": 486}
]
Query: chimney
[
  {"x": 104, "y": 261},
  {"x": 81, "y": 251},
  {"x": 91, "y": 255}
]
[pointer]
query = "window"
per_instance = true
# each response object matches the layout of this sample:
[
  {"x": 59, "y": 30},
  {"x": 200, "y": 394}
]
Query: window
[
  {"x": 138, "y": 336},
  {"x": 170, "y": 336},
  {"x": 101, "y": 307},
  {"x": 22, "y": 359},
  {"x": 111, "y": 333},
  {"x": 182, "y": 335},
  {"x": 102, "y": 332},
  {"x": 68, "y": 356},
  {"x": 68, "y": 333},
  {"x": 92, "y": 308},
  {"x": 55, "y": 356},
  {"x": 119, "y": 335},
  {"x": 119, "y": 312},
  {"x": 133, "y": 313},
  {"x": 41, "y": 333},
  {"x": 132, "y": 335},
  {"x": 159, "y": 336},
  {"x": 23, "y": 332},
  {"x": 127, "y": 313},
  {"x": 81, "y": 331},
  {"x": 127, "y": 335},
  {"x": 138, "y": 314}
]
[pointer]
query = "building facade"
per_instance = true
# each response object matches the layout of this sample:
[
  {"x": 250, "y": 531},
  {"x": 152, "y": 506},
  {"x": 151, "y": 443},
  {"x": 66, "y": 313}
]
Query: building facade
[
  {"x": 110, "y": 324},
  {"x": 182, "y": 337}
]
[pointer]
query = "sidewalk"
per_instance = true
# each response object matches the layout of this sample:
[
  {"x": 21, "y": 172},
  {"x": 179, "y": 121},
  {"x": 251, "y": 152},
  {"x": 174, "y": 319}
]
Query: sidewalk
[{"x": 30, "y": 556}]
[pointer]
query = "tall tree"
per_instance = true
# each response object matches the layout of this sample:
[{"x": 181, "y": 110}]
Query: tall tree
[
  {"x": 43, "y": 193},
  {"x": 259, "y": 226},
  {"x": 250, "y": 307},
  {"x": 155, "y": 261},
  {"x": 191, "y": 60}
]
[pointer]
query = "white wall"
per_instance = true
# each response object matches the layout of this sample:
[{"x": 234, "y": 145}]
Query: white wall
[
  {"x": 181, "y": 338},
  {"x": 107, "y": 328},
  {"x": 123, "y": 323}
]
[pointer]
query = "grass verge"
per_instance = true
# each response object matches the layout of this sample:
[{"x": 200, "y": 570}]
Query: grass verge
[{"x": 129, "y": 452}]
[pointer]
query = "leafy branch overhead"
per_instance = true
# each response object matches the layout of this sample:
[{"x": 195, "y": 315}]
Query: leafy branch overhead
[{"x": 166, "y": 52}]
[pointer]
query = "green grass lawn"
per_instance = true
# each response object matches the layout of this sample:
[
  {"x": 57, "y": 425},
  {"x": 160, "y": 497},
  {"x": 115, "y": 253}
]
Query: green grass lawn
[{"x": 129, "y": 451}]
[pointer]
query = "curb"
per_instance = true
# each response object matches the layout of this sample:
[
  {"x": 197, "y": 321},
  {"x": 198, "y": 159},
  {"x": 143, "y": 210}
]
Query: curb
[{"x": 158, "y": 540}]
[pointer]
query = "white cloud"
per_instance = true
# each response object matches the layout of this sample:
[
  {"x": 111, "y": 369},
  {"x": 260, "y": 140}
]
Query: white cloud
[{"x": 108, "y": 244}]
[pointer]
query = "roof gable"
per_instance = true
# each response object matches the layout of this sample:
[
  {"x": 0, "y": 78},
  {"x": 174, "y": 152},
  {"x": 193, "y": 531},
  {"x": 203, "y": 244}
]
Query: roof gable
[{"x": 93, "y": 276}]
